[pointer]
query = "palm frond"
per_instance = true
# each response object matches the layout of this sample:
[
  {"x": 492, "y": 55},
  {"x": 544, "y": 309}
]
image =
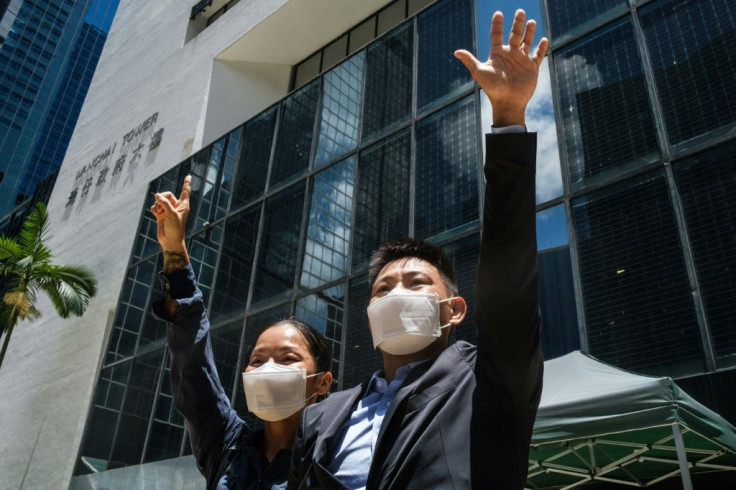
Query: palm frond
[
  {"x": 70, "y": 288},
  {"x": 41, "y": 254},
  {"x": 9, "y": 249},
  {"x": 35, "y": 230}
]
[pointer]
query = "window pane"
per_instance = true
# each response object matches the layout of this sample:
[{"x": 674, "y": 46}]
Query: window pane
[
  {"x": 335, "y": 53},
  {"x": 229, "y": 164},
  {"x": 100, "y": 428},
  {"x": 132, "y": 308},
  {"x": 325, "y": 312},
  {"x": 230, "y": 295},
  {"x": 560, "y": 333},
  {"x": 167, "y": 429},
  {"x": 196, "y": 166},
  {"x": 307, "y": 70},
  {"x": 706, "y": 183},
  {"x": 364, "y": 359},
  {"x": 552, "y": 228},
  {"x": 606, "y": 116},
  {"x": 276, "y": 269},
  {"x": 164, "y": 442},
  {"x": 128, "y": 446},
  {"x": 203, "y": 252},
  {"x": 464, "y": 256},
  {"x": 296, "y": 129},
  {"x": 362, "y": 35},
  {"x": 250, "y": 179},
  {"x": 152, "y": 329},
  {"x": 340, "y": 118},
  {"x": 695, "y": 83},
  {"x": 447, "y": 170},
  {"x": 330, "y": 217},
  {"x": 165, "y": 411},
  {"x": 226, "y": 347},
  {"x": 382, "y": 210},
  {"x": 417, "y": 5},
  {"x": 639, "y": 311},
  {"x": 566, "y": 16},
  {"x": 443, "y": 28},
  {"x": 209, "y": 186},
  {"x": 388, "y": 84},
  {"x": 391, "y": 16}
]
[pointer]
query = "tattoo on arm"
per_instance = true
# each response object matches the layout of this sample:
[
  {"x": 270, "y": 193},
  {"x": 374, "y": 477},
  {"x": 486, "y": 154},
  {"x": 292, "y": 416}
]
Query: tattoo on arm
[{"x": 174, "y": 261}]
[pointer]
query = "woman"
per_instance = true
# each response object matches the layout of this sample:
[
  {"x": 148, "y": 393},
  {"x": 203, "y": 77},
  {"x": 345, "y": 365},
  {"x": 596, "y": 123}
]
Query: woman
[{"x": 288, "y": 369}]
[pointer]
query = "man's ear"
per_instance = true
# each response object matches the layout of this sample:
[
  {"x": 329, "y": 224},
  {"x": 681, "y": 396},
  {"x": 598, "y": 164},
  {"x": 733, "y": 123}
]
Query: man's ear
[
  {"x": 459, "y": 309},
  {"x": 324, "y": 384}
]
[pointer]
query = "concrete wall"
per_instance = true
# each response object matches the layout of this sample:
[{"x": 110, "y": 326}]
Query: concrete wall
[{"x": 148, "y": 79}]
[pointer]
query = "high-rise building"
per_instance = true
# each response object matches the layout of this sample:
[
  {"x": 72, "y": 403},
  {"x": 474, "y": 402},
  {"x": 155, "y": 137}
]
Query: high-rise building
[
  {"x": 314, "y": 132},
  {"x": 646, "y": 115},
  {"x": 48, "y": 54}
]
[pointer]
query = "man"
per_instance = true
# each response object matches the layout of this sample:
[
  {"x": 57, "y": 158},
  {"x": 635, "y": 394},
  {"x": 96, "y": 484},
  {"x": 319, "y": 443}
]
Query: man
[{"x": 457, "y": 416}]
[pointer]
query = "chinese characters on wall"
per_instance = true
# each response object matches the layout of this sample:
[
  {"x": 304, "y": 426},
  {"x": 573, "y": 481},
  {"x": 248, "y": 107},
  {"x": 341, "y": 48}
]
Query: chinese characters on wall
[{"x": 117, "y": 158}]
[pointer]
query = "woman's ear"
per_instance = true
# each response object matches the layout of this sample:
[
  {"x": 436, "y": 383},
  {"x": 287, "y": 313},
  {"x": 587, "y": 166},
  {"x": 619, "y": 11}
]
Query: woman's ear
[{"x": 323, "y": 386}]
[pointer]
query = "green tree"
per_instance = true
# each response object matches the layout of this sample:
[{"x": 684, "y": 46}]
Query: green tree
[{"x": 26, "y": 267}]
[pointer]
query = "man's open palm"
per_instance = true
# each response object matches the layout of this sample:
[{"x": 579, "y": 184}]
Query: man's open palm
[{"x": 509, "y": 77}]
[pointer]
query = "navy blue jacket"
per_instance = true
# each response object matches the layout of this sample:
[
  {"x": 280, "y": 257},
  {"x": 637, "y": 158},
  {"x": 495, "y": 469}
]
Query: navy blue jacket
[{"x": 227, "y": 453}]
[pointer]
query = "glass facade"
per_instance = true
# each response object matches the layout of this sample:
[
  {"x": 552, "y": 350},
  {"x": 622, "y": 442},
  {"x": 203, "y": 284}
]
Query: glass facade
[
  {"x": 46, "y": 65},
  {"x": 646, "y": 124},
  {"x": 382, "y": 139},
  {"x": 286, "y": 210}
]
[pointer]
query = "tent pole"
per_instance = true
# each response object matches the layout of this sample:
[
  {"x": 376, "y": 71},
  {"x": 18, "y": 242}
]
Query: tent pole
[{"x": 687, "y": 483}]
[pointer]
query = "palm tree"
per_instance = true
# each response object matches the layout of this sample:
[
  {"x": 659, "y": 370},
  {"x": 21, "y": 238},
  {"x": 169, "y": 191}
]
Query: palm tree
[{"x": 25, "y": 266}]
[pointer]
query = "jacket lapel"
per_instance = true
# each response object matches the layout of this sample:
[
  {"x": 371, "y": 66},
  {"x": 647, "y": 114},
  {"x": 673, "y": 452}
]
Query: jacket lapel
[
  {"x": 425, "y": 381},
  {"x": 337, "y": 409},
  {"x": 407, "y": 387}
]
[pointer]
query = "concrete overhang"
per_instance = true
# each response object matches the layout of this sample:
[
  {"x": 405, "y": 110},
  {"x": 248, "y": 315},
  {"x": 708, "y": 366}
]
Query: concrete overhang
[{"x": 298, "y": 29}]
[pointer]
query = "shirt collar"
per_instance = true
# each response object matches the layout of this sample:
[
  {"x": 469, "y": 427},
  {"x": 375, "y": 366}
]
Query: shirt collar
[{"x": 378, "y": 383}]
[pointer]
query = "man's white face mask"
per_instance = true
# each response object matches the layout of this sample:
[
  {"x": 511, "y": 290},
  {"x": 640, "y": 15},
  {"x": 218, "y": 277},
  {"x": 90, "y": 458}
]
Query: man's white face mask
[
  {"x": 404, "y": 322},
  {"x": 274, "y": 391}
]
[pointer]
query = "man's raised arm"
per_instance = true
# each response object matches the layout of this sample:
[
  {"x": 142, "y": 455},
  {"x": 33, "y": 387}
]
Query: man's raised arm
[{"x": 506, "y": 279}]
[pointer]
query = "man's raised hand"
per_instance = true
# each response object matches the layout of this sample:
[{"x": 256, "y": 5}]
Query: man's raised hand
[
  {"x": 509, "y": 77},
  {"x": 171, "y": 219}
]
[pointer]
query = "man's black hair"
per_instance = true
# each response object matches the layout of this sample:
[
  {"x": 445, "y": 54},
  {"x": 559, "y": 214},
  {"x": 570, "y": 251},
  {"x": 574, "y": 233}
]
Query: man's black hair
[{"x": 413, "y": 248}]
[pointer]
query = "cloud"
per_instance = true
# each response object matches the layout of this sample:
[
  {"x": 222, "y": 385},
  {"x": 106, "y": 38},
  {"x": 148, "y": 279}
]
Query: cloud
[{"x": 541, "y": 118}]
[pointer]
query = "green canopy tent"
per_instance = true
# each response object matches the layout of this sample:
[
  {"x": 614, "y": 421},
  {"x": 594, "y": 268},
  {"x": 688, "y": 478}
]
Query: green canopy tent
[{"x": 598, "y": 423}]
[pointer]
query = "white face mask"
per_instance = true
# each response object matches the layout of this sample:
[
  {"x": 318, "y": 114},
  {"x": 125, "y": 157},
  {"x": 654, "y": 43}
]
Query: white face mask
[
  {"x": 404, "y": 321},
  {"x": 274, "y": 391}
]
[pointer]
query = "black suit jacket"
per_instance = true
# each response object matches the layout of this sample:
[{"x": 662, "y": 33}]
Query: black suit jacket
[{"x": 464, "y": 419}]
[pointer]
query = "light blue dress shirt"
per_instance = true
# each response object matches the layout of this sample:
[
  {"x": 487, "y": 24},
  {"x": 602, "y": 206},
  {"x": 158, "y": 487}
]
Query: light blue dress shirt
[{"x": 358, "y": 436}]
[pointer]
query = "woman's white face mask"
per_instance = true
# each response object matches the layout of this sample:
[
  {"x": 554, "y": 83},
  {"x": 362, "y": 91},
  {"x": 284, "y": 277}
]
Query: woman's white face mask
[
  {"x": 275, "y": 391},
  {"x": 404, "y": 321}
]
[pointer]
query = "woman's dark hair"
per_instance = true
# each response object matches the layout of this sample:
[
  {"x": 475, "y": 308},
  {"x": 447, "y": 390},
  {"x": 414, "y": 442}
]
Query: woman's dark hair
[
  {"x": 413, "y": 248},
  {"x": 318, "y": 345}
]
